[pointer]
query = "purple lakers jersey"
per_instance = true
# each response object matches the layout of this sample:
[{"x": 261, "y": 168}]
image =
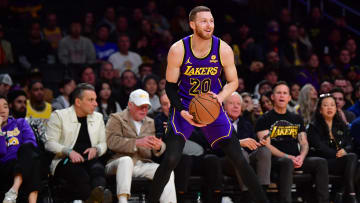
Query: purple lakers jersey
[{"x": 199, "y": 75}]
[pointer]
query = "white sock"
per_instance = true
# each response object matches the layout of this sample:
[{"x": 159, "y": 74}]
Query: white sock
[{"x": 123, "y": 199}]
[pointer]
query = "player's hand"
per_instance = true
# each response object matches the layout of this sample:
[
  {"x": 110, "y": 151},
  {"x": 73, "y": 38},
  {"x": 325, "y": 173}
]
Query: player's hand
[
  {"x": 91, "y": 153},
  {"x": 341, "y": 153},
  {"x": 189, "y": 118},
  {"x": 76, "y": 157},
  {"x": 217, "y": 97},
  {"x": 145, "y": 142},
  {"x": 249, "y": 143}
]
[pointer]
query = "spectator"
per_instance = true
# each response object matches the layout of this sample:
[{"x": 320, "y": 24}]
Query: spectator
[
  {"x": 356, "y": 107},
  {"x": 159, "y": 22},
  {"x": 271, "y": 76},
  {"x": 348, "y": 94},
  {"x": 310, "y": 73},
  {"x": 131, "y": 135},
  {"x": 145, "y": 49},
  {"x": 241, "y": 85},
  {"x": 145, "y": 69},
  {"x": 294, "y": 93},
  {"x": 271, "y": 42},
  {"x": 35, "y": 51},
  {"x": 19, "y": 157},
  {"x": 179, "y": 23},
  {"x": 250, "y": 107},
  {"x": 304, "y": 37},
  {"x": 151, "y": 86},
  {"x": 261, "y": 88},
  {"x": 89, "y": 25},
  {"x": 325, "y": 87},
  {"x": 109, "y": 18},
  {"x": 121, "y": 28},
  {"x": 346, "y": 116},
  {"x": 354, "y": 54},
  {"x": 5, "y": 84},
  {"x": 345, "y": 68},
  {"x": 329, "y": 138},
  {"x": 265, "y": 102},
  {"x": 75, "y": 48},
  {"x": 129, "y": 83},
  {"x": 77, "y": 157},
  {"x": 162, "y": 84},
  {"x": 287, "y": 131},
  {"x": 36, "y": 75},
  {"x": 52, "y": 32},
  {"x": 87, "y": 75},
  {"x": 285, "y": 20},
  {"x": 125, "y": 59},
  {"x": 137, "y": 17},
  {"x": 6, "y": 53},
  {"x": 295, "y": 53},
  {"x": 106, "y": 102},
  {"x": 107, "y": 72},
  {"x": 308, "y": 98},
  {"x": 104, "y": 49},
  {"x": 66, "y": 87},
  {"x": 340, "y": 82},
  {"x": 315, "y": 26},
  {"x": 17, "y": 103},
  {"x": 36, "y": 106},
  {"x": 259, "y": 157}
]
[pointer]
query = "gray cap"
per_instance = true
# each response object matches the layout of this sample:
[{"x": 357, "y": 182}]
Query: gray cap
[{"x": 5, "y": 79}]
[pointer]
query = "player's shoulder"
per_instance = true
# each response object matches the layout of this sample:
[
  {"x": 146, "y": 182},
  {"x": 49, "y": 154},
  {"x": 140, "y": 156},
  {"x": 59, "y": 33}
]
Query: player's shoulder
[
  {"x": 224, "y": 47},
  {"x": 177, "y": 48}
]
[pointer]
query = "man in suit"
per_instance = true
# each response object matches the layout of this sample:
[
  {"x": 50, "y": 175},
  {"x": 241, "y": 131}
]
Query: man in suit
[
  {"x": 130, "y": 134},
  {"x": 76, "y": 135},
  {"x": 253, "y": 151}
]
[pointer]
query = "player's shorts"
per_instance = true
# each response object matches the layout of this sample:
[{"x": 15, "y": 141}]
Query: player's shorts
[{"x": 215, "y": 132}]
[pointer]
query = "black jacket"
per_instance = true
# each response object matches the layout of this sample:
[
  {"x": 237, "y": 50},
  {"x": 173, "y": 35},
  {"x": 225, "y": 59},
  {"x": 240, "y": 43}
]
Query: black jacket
[{"x": 319, "y": 140}]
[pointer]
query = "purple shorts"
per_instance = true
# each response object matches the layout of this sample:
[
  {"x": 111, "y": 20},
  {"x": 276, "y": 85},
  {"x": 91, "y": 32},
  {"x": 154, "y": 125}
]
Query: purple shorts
[{"x": 219, "y": 130}]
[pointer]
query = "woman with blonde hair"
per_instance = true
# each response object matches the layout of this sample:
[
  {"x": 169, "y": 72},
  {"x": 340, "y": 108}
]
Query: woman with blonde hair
[{"x": 307, "y": 102}]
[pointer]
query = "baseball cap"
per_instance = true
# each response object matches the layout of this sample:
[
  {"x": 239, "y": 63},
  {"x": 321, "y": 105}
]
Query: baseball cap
[
  {"x": 139, "y": 97},
  {"x": 5, "y": 79}
]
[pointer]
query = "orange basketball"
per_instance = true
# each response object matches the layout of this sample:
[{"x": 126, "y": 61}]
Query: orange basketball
[{"x": 204, "y": 108}]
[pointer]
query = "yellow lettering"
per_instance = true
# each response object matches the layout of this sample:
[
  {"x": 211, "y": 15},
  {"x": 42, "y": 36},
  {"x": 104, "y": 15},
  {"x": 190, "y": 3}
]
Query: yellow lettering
[
  {"x": 187, "y": 72},
  {"x": 197, "y": 71}
]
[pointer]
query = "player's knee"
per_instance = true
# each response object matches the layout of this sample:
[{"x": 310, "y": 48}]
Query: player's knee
[{"x": 171, "y": 161}]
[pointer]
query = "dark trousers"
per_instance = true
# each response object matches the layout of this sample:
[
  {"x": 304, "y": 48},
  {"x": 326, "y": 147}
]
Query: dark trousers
[
  {"x": 346, "y": 167},
  {"x": 27, "y": 165},
  {"x": 80, "y": 178},
  {"x": 207, "y": 166},
  {"x": 232, "y": 149},
  {"x": 314, "y": 165}
]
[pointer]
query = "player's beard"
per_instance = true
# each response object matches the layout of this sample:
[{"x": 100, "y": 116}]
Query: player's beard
[{"x": 203, "y": 35}]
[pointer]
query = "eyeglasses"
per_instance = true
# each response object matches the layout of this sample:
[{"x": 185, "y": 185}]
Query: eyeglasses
[{"x": 325, "y": 95}]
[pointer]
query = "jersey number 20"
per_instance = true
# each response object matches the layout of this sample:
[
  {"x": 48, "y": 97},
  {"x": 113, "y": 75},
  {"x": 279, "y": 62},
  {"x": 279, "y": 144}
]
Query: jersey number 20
[{"x": 196, "y": 83}]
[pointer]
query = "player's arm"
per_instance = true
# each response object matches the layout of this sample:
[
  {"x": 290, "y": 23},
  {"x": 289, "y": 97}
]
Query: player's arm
[
  {"x": 266, "y": 142},
  {"x": 174, "y": 60},
  {"x": 304, "y": 145},
  {"x": 175, "y": 56},
  {"x": 227, "y": 60}
]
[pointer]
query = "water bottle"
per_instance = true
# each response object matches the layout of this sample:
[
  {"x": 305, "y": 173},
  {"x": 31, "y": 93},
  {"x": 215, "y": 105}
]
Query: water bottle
[
  {"x": 198, "y": 199},
  {"x": 143, "y": 198}
]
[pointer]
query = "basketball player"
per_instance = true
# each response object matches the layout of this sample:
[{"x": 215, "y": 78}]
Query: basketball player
[{"x": 194, "y": 66}]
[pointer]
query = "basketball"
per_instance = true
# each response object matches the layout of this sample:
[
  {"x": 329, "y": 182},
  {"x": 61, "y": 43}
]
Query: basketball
[{"x": 204, "y": 108}]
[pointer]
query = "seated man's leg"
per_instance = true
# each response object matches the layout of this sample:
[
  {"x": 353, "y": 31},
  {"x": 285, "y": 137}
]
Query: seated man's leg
[
  {"x": 147, "y": 170},
  {"x": 319, "y": 168},
  {"x": 172, "y": 156},
  {"x": 76, "y": 177},
  {"x": 232, "y": 149},
  {"x": 261, "y": 158},
  {"x": 123, "y": 169},
  {"x": 97, "y": 173},
  {"x": 285, "y": 168}
]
